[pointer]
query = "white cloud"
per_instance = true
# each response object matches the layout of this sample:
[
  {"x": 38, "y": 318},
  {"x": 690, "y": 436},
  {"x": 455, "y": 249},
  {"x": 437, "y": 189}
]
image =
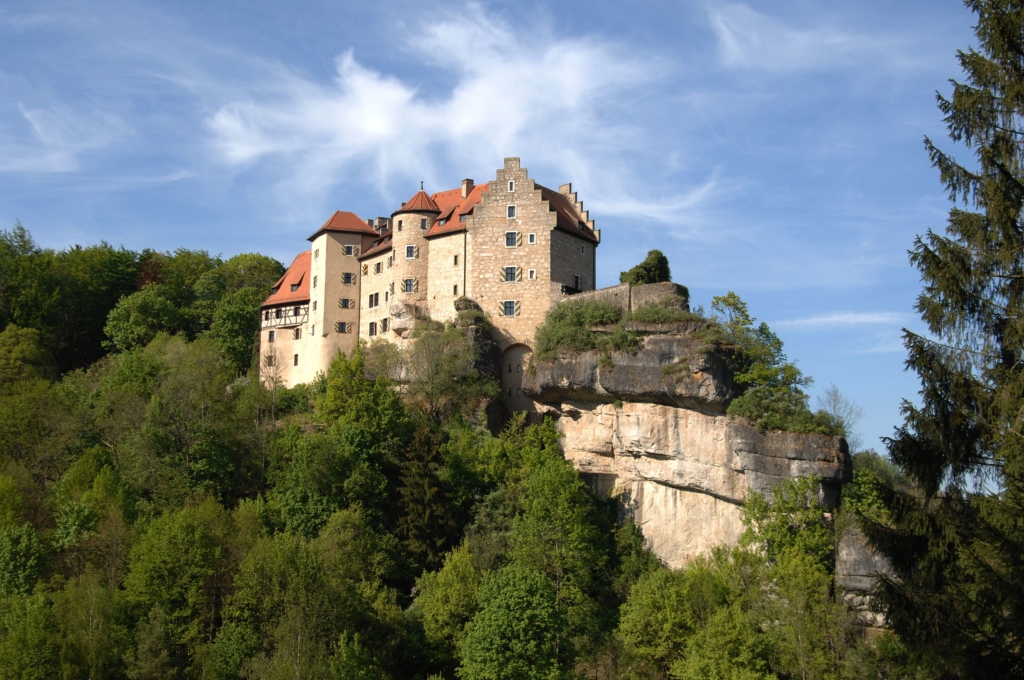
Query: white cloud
[
  {"x": 840, "y": 319},
  {"x": 748, "y": 39},
  {"x": 56, "y": 137},
  {"x": 558, "y": 102}
]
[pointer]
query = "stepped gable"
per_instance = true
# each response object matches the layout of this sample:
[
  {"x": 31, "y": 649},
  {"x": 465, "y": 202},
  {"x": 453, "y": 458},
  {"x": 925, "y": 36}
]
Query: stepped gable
[
  {"x": 377, "y": 247},
  {"x": 568, "y": 219},
  {"x": 295, "y": 277},
  {"x": 344, "y": 221},
  {"x": 453, "y": 206},
  {"x": 420, "y": 202}
]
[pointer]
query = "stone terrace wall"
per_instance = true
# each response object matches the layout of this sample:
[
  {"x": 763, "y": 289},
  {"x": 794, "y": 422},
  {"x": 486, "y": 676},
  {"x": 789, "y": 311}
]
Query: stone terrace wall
[{"x": 629, "y": 297}]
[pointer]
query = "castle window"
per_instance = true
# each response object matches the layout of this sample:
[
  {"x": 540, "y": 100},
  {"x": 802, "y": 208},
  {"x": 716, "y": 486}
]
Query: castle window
[
  {"x": 374, "y": 300},
  {"x": 409, "y": 284},
  {"x": 373, "y": 328},
  {"x": 385, "y": 296},
  {"x": 378, "y": 268},
  {"x": 531, "y": 274},
  {"x": 270, "y": 336},
  {"x": 583, "y": 250},
  {"x": 295, "y": 287},
  {"x": 577, "y": 282},
  {"x": 410, "y": 252},
  {"x": 511, "y": 211},
  {"x": 533, "y": 239},
  {"x": 383, "y": 325},
  {"x": 349, "y": 250},
  {"x": 455, "y": 289},
  {"x": 511, "y": 239},
  {"x": 344, "y": 303},
  {"x": 519, "y": 368},
  {"x": 266, "y": 315},
  {"x": 519, "y": 392},
  {"x": 510, "y": 274},
  {"x": 442, "y": 222},
  {"x": 273, "y": 291},
  {"x": 399, "y": 225},
  {"x": 312, "y": 329},
  {"x": 463, "y": 218},
  {"x": 579, "y": 225},
  {"x": 316, "y": 253},
  {"x": 508, "y": 307},
  {"x": 511, "y": 187},
  {"x": 297, "y": 334},
  {"x": 456, "y": 260},
  {"x": 341, "y": 327},
  {"x": 314, "y": 305},
  {"x": 277, "y": 313},
  {"x": 423, "y": 223},
  {"x": 296, "y": 311},
  {"x": 269, "y": 360},
  {"x": 314, "y": 282},
  {"x": 346, "y": 277},
  {"x": 295, "y": 360}
]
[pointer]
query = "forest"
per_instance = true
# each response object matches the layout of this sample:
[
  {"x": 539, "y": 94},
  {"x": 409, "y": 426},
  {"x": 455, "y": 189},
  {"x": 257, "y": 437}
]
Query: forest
[{"x": 166, "y": 514}]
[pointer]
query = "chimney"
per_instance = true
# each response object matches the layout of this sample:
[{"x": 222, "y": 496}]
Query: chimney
[
  {"x": 467, "y": 186},
  {"x": 383, "y": 224},
  {"x": 369, "y": 222}
]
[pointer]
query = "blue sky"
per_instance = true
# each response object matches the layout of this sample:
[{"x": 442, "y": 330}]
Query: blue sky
[{"x": 769, "y": 148}]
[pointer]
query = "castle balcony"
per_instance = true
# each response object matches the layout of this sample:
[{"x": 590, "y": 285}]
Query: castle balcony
[{"x": 283, "y": 317}]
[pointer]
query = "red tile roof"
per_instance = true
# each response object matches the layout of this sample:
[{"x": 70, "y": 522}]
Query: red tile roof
[
  {"x": 297, "y": 275},
  {"x": 568, "y": 219},
  {"x": 420, "y": 202},
  {"x": 346, "y": 222},
  {"x": 452, "y": 206},
  {"x": 381, "y": 245}
]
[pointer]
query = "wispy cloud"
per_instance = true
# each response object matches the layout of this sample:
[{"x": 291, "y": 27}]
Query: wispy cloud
[
  {"x": 748, "y": 39},
  {"x": 840, "y": 319}
]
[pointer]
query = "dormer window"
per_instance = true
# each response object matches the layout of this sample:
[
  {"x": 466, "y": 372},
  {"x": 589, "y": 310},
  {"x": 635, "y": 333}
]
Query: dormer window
[
  {"x": 463, "y": 218},
  {"x": 580, "y": 226},
  {"x": 273, "y": 291},
  {"x": 295, "y": 287},
  {"x": 441, "y": 223}
]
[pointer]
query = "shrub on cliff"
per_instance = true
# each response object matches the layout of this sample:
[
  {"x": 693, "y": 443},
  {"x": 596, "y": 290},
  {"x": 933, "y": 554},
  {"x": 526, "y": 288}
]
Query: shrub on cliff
[
  {"x": 569, "y": 325},
  {"x": 654, "y": 269}
]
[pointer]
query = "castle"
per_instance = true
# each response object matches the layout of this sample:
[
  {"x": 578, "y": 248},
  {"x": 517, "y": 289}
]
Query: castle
[{"x": 511, "y": 245}]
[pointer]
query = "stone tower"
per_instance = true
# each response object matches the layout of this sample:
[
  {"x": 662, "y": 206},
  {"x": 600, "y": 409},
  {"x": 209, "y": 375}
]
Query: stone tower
[{"x": 410, "y": 250}]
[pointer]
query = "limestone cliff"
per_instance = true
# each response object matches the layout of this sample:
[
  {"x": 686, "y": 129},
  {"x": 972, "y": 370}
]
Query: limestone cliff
[{"x": 652, "y": 426}]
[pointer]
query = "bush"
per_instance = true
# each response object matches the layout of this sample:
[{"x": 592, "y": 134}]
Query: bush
[
  {"x": 654, "y": 269},
  {"x": 781, "y": 408},
  {"x": 568, "y": 326}
]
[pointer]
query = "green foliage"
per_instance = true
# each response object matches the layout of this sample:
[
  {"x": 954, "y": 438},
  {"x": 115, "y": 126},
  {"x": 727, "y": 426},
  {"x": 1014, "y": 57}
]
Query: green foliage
[
  {"x": 955, "y": 538},
  {"x": 427, "y": 524},
  {"x": 443, "y": 378},
  {"x": 139, "y": 317},
  {"x": 93, "y": 637},
  {"x": 22, "y": 357},
  {"x": 729, "y": 646},
  {"x": 21, "y": 559},
  {"x": 518, "y": 631},
  {"x": 662, "y": 313},
  {"x": 447, "y": 602},
  {"x": 236, "y": 323},
  {"x": 654, "y": 269},
  {"x": 792, "y": 521},
  {"x": 28, "y": 645},
  {"x": 568, "y": 325}
]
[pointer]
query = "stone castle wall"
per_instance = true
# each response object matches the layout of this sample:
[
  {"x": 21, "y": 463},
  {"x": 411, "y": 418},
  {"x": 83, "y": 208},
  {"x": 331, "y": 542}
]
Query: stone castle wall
[{"x": 446, "y": 272}]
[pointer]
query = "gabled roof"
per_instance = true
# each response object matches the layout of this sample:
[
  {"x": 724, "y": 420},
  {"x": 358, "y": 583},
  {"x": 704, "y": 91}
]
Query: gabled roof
[
  {"x": 453, "y": 206},
  {"x": 381, "y": 245},
  {"x": 420, "y": 202},
  {"x": 344, "y": 221},
  {"x": 297, "y": 276}
]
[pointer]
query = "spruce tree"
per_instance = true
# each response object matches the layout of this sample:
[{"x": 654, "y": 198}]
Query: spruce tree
[
  {"x": 426, "y": 524},
  {"x": 956, "y": 542}
]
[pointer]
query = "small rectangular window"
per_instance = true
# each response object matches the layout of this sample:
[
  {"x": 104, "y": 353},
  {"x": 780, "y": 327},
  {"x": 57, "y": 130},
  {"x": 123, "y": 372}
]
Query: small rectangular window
[
  {"x": 519, "y": 368},
  {"x": 455, "y": 289},
  {"x": 312, "y": 329},
  {"x": 385, "y": 296},
  {"x": 399, "y": 225},
  {"x": 410, "y": 252},
  {"x": 297, "y": 334},
  {"x": 266, "y": 315},
  {"x": 509, "y": 307},
  {"x": 373, "y": 328},
  {"x": 463, "y": 218},
  {"x": 378, "y": 268},
  {"x": 314, "y": 305},
  {"x": 510, "y": 274},
  {"x": 577, "y": 282},
  {"x": 583, "y": 250},
  {"x": 533, "y": 239},
  {"x": 511, "y": 211},
  {"x": 269, "y": 359},
  {"x": 277, "y": 313},
  {"x": 349, "y": 250},
  {"x": 316, "y": 253},
  {"x": 423, "y": 223},
  {"x": 511, "y": 239},
  {"x": 270, "y": 336},
  {"x": 408, "y": 285},
  {"x": 296, "y": 310},
  {"x": 343, "y": 303},
  {"x": 456, "y": 259},
  {"x": 314, "y": 282},
  {"x": 383, "y": 325},
  {"x": 339, "y": 327},
  {"x": 532, "y": 274},
  {"x": 295, "y": 360},
  {"x": 295, "y": 287},
  {"x": 519, "y": 392},
  {"x": 511, "y": 188},
  {"x": 346, "y": 277}
]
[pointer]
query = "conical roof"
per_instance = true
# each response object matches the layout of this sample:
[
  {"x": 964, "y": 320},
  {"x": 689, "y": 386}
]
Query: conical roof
[{"x": 421, "y": 202}]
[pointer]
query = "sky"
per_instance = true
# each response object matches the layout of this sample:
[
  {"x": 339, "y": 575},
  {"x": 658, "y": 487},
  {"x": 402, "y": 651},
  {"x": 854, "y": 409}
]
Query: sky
[{"x": 774, "y": 149}]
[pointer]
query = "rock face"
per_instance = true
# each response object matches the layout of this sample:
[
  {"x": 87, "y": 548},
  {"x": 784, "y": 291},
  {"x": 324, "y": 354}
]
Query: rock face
[
  {"x": 857, "y": 565},
  {"x": 683, "y": 474},
  {"x": 651, "y": 427},
  {"x": 673, "y": 368}
]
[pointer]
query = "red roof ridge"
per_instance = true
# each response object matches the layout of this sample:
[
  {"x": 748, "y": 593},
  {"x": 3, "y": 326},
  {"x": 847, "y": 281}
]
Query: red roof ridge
[
  {"x": 344, "y": 221},
  {"x": 420, "y": 202},
  {"x": 296, "y": 275}
]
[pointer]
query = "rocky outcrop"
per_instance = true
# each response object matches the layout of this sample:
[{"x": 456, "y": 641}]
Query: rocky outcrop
[
  {"x": 673, "y": 368},
  {"x": 683, "y": 474},
  {"x": 857, "y": 567}
]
